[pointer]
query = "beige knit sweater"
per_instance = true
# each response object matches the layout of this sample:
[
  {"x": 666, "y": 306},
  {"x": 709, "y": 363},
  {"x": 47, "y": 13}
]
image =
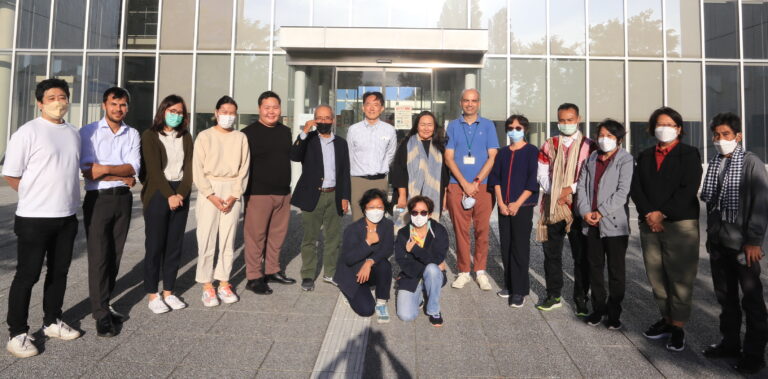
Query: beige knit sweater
[{"x": 222, "y": 157}]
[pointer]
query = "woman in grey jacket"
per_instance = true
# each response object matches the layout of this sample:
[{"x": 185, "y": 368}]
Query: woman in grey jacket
[{"x": 604, "y": 187}]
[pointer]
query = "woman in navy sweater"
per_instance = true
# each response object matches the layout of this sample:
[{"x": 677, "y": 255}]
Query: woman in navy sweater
[{"x": 513, "y": 179}]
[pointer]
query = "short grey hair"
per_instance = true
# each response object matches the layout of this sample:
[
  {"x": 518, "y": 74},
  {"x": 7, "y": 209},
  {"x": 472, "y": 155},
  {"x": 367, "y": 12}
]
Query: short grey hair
[
  {"x": 323, "y": 106},
  {"x": 470, "y": 89}
]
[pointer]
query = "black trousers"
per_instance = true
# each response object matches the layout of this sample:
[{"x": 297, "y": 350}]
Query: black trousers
[
  {"x": 106, "y": 218},
  {"x": 515, "y": 240},
  {"x": 164, "y": 230},
  {"x": 553, "y": 259},
  {"x": 381, "y": 276},
  {"x": 727, "y": 276},
  {"x": 615, "y": 249},
  {"x": 40, "y": 239}
]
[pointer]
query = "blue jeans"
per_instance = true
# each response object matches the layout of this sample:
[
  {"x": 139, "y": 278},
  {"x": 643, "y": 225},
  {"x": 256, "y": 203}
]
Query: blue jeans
[{"x": 408, "y": 302}]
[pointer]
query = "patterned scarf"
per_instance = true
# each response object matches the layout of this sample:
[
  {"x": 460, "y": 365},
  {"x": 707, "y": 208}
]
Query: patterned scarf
[
  {"x": 726, "y": 199},
  {"x": 424, "y": 172},
  {"x": 564, "y": 171}
]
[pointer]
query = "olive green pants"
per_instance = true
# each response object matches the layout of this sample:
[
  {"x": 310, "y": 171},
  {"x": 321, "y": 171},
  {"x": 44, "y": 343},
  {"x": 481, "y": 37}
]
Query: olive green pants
[{"x": 324, "y": 216}]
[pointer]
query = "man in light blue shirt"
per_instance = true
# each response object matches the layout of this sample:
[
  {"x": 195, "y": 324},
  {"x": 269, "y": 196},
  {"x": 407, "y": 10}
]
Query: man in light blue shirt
[
  {"x": 372, "y": 145},
  {"x": 109, "y": 158},
  {"x": 469, "y": 155}
]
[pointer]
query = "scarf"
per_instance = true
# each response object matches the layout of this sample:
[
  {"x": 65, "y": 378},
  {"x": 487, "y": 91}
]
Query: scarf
[
  {"x": 726, "y": 198},
  {"x": 424, "y": 172},
  {"x": 564, "y": 171}
]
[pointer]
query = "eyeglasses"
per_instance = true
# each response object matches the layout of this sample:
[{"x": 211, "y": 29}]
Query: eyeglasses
[
  {"x": 518, "y": 128},
  {"x": 417, "y": 213}
]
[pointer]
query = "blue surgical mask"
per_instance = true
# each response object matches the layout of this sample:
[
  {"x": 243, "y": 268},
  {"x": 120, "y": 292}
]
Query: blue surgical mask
[
  {"x": 515, "y": 135},
  {"x": 173, "y": 120}
]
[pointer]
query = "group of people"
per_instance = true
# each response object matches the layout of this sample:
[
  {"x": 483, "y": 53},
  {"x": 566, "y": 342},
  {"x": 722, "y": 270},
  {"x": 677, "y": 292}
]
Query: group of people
[{"x": 586, "y": 186}]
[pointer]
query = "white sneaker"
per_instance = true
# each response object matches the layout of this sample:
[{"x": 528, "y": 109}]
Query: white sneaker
[
  {"x": 482, "y": 280},
  {"x": 157, "y": 305},
  {"x": 61, "y": 330},
  {"x": 174, "y": 302},
  {"x": 209, "y": 297},
  {"x": 329, "y": 279},
  {"x": 227, "y": 295},
  {"x": 21, "y": 346},
  {"x": 461, "y": 280}
]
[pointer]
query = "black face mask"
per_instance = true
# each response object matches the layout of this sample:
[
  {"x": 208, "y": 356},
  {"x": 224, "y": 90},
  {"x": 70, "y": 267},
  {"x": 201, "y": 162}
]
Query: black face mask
[{"x": 324, "y": 128}]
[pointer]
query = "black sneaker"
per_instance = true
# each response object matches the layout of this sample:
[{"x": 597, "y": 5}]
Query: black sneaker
[
  {"x": 307, "y": 284},
  {"x": 749, "y": 366},
  {"x": 581, "y": 307},
  {"x": 517, "y": 301},
  {"x": 721, "y": 350},
  {"x": 613, "y": 324},
  {"x": 436, "y": 320},
  {"x": 676, "y": 341},
  {"x": 658, "y": 330},
  {"x": 550, "y": 303},
  {"x": 594, "y": 319}
]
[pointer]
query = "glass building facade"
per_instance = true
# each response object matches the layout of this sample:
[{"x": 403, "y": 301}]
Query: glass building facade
[{"x": 613, "y": 58}]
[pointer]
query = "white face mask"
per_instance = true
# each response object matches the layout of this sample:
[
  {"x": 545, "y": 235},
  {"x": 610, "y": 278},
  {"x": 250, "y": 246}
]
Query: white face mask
[
  {"x": 419, "y": 221},
  {"x": 467, "y": 202},
  {"x": 374, "y": 215},
  {"x": 725, "y": 147},
  {"x": 606, "y": 144},
  {"x": 568, "y": 129},
  {"x": 665, "y": 133},
  {"x": 226, "y": 121}
]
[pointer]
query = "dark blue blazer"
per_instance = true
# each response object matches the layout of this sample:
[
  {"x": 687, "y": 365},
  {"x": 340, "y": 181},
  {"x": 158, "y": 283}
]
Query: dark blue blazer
[
  {"x": 354, "y": 252},
  {"x": 412, "y": 264},
  {"x": 310, "y": 154}
]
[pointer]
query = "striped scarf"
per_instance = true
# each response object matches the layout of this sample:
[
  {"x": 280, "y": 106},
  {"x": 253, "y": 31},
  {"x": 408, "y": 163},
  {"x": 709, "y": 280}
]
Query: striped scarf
[
  {"x": 424, "y": 172},
  {"x": 564, "y": 171},
  {"x": 726, "y": 199}
]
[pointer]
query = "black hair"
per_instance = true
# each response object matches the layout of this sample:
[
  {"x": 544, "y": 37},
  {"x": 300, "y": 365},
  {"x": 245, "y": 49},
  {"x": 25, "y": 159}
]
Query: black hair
[
  {"x": 421, "y": 199},
  {"x": 117, "y": 93},
  {"x": 727, "y": 118},
  {"x": 438, "y": 136},
  {"x": 566, "y": 106},
  {"x": 671, "y": 113},
  {"x": 158, "y": 124},
  {"x": 266, "y": 95},
  {"x": 519, "y": 118},
  {"x": 614, "y": 127},
  {"x": 227, "y": 100},
  {"x": 377, "y": 94},
  {"x": 47, "y": 84},
  {"x": 374, "y": 193}
]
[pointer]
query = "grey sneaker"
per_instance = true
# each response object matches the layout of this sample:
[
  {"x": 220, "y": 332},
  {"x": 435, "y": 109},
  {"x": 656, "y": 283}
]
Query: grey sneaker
[
  {"x": 382, "y": 314},
  {"x": 329, "y": 280}
]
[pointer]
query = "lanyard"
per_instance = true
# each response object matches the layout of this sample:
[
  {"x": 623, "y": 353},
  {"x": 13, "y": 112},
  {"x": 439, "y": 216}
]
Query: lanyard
[{"x": 468, "y": 140}]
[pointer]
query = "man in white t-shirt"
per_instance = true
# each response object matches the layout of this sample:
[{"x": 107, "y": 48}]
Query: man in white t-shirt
[{"x": 42, "y": 163}]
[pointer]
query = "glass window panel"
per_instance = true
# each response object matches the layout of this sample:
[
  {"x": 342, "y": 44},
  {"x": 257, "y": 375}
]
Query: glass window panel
[
  {"x": 606, "y": 92},
  {"x": 253, "y": 25},
  {"x": 330, "y": 13},
  {"x": 448, "y": 86},
  {"x": 250, "y": 80},
  {"x": 528, "y": 96},
  {"x": 528, "y": 25},
  {"x": 281, "y": 82},
  {"x": 491, "y": 15},
  {"x": 7, "y": 20},
  {"x": 493, "y": 89},
  {"x": 216, "y": 27},
  {"x": 721, "y": 32},
  {"x": 566, "y": 23},
  {"x": 69, "y": 24},
  {"x": 683, "y": 28},
  {"x": 139, "y": 80},
  {"x": 683, "y": 94},
  {"x": 141, "y": 24},
  {"x": 567, "y": 81},
  {"x": 723, "y": 93},
  {"x": 756, "y": 110},
  {"x": 370, "y": 13},
  {"x": 429, "y": 14},
  {"x": 175, "y": 76},
  {"x": 290, "y": 13},
  {"x": 645, "y": 96},
  {"x": 606, "y": 28},
  {"x": 212, "y": 83},
  {"x": 30, "y": 69},
  {"x": 101, "y": 74},
  {"x": 178, "y": 28},
  {"x": 755, "y": 28},
  {"x": 104, "y": 24},
  {"x": 5, "y": 92},
  {"x": 644, "y": 28},
  {"x": 70, "y": 68},
  {"x": 34, "y": 21}
]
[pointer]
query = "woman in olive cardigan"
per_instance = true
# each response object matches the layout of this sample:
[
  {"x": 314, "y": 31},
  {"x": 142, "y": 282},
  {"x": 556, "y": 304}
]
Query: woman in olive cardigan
[{"x": 166, "y": 152}]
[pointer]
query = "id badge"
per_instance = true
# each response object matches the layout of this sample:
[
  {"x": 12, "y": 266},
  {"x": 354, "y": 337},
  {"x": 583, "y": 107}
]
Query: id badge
[{"x": 469, "y": 160}]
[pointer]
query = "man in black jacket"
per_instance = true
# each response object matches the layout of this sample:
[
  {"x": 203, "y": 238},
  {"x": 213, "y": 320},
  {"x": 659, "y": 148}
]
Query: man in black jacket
[{"x": 322, "y": 193}]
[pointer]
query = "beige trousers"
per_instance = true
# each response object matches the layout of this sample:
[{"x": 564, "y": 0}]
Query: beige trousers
[{"x": 213, "y": 223}]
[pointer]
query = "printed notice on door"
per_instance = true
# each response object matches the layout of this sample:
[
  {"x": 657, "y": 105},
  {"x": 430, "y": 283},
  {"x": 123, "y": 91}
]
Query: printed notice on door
[{"x": 403, "y": 116}]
